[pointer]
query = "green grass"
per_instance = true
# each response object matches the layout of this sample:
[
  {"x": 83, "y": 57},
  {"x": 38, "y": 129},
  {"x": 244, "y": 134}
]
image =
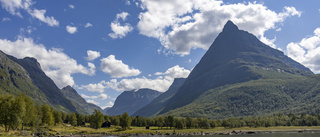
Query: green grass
[{"x": 114, "y": 130}]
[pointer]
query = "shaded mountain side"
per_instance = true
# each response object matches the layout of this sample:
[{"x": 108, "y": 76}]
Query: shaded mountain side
[
  {"x": 230, "y": 60},
  {"x": 131, "y": 101},
  {"x": 45, "y": 84},
  {"x": 301, "y": 94},
  {"x": 14, "y": 79},
  {"x": 155, "y": 106},
  {"x": 80, "y": 104},
  {"x": 106, "y": 109}
]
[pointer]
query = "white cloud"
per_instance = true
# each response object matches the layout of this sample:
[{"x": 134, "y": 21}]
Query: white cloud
[
  {"x": 6, "y": 19},
  {"x": 128, "y": 2},
  {"x": 56, "y": 64},
  {"x": 175, "y": 72},
  {"x": 122, "y": 15},
  {"x": 71, "y": 29},
  {"x": 98, "y": 87},
  {"x": 14, "y": 7},
  {"x": 109, "y": 104},
  {"x": 92, "y": 102},
  {"x": 307, "y": 51},
  {"x": 40, "y": 14},
  {"x": 120, "y": 31},
  {"x": 71, "y": 6},
  {"x": 116, "y": 68},
  {"x": 92, "y": 68},
  {"x": 187, "y": 24},
  {"x": 88, "y": 25},
  {"x": 92, "y": 55},
  {"x": 101, "y": 96},
  {"x": 162, "y": 83}
]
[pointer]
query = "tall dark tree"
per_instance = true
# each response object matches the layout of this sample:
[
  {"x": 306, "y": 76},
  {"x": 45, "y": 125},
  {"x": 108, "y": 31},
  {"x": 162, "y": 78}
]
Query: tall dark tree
[
  {"x": 96, "y": 119},
  {"x": 169, "y": 120},
  {"x": 29, "y": 116},
  {"x": 57, "y": 117},
  {"x": 125, "y": 121},
  {"x": 47, "y": 115}
]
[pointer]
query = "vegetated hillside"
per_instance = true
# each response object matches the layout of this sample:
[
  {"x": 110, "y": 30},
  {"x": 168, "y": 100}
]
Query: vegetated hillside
[
  {"x": 80, "y": 104},
  {"x": 19, "y": 76},
  {"x": 297, "y": 94},
  {"x": 155, "y": 106},
  {"x": 131, "y": 101},
  {"x": 218, "y": 86},
  {"x": 45, "y": 84},
  {"x": 15, "y": 80}
]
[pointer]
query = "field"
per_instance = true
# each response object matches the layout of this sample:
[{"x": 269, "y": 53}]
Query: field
[{"x": 66, "y": 130}]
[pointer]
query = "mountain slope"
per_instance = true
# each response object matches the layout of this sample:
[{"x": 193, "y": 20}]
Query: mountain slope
[
  {"x": 45, "y": 84},
  {"x": 131, "y": 101},
  {"x": 257, "y": 97},
  {"x": 154, "y": 107},
  {"x": 80, "y": 104},
  {"x": 235, "y": 57},
  {"x": 14, "y": 79}
]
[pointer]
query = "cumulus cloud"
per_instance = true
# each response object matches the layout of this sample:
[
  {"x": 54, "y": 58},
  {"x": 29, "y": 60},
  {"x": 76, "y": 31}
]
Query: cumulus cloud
[
  {"x": 175, "y": 72},
  {"x": 187, "y": 24},
  {"x": 109, "y": 104},
  {"x": 101, "y": 96},
  {"x": 307, "y": 51},
  {"x": 56, "y": 64},
  {"x": 92, "y": 102},
  {"x": 71, "y": 29},
  {"x": 14, "y": 7},
  {"x": 40, "y": 14},
  {"x": 88, "y": 25},
  {"x": 116, "y": 68},
  {"x": 97, "y": 87},
  {"x": 92, "y": 68},
  {"x": 161, "y": 83},
  {"x": 120, "y": 31},
  {"x": 92, "y": 55}
]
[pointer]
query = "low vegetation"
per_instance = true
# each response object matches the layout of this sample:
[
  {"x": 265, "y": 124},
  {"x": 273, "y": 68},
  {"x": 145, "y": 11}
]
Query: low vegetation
[{"x": 19, "y": 116}]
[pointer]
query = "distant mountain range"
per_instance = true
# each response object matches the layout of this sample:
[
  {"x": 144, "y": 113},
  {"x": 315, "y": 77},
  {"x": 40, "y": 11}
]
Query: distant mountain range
[
  {"x": 156, "y": 105},
  {"x": 26, "y": 76},
  {"x": 131, "y": 101}
]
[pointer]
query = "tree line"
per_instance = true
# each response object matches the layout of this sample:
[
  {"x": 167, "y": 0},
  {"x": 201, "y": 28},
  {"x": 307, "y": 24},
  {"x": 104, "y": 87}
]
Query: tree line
[{"x": 20, "y": 112}]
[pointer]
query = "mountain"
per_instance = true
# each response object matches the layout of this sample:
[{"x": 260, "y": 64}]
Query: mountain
[
  {"x": 240, "y": 76},
  {"x": 131, "y": 101},
  {"x": 155, "y": 106},
  {"x": 19, "y": 76},
  {"x": 15, "y": 80},
  {"x": 45, "y": 84},
  {"x": 106, "y": 109},
  {"x": 80, "y": 104}
]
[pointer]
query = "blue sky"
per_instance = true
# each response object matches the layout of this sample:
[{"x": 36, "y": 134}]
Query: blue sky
[{"x": 104, "y": 47}]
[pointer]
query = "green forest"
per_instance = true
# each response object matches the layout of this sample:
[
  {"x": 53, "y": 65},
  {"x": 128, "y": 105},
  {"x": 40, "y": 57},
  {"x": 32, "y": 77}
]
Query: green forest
[{"x": 20, "y": 113}]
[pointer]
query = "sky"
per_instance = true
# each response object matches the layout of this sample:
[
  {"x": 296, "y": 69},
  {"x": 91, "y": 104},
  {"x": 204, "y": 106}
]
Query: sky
[{"x": 104, "y": 47}]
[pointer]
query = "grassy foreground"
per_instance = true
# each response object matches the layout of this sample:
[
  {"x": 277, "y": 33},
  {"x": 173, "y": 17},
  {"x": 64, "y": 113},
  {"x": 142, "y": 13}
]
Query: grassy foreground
[{"x": 66, "y": 130}]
